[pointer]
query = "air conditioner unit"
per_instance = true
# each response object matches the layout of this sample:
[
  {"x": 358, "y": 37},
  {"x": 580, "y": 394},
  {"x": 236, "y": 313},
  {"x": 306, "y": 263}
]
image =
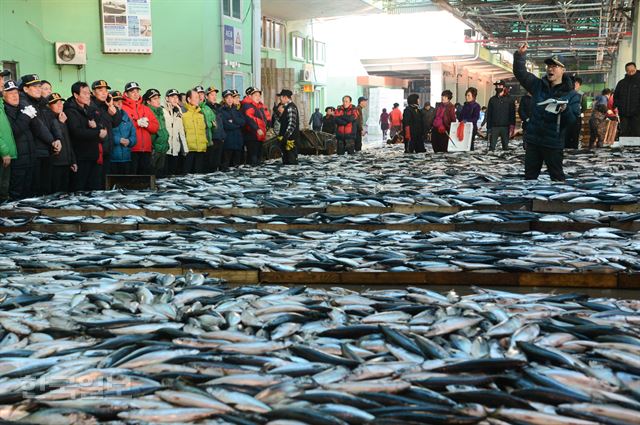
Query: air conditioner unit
[
  {"x": 305, "y": 75},
  {"x": 71, "y": 53}
]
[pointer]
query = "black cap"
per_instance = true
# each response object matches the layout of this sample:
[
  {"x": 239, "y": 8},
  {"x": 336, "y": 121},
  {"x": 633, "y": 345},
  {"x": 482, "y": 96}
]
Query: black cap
[
  {"x": 172, "y": 92},
  {"x": 5, "y": 73},
  {"x": 150, "y": 94},
  {"x": 199, "y": 89},
  {"x": 251, "y": 90},
  {"x": 53, "y": 98},
  {"x": 499, "y": 83},
  {"x": 100, "y": 84},
  {"x": 285, "y": 92},
  {"x": 10, "y": 85},
  {"x": 236, "y": 93},
  {"x": 211, "y": 89},
  {"x": 116, "y": 95},
  {"x": 131, "y": 85},
  {"x": 361, "y": 98},
  {"x": 227, "y": 92},
  {"x": 554, "y": 61},
  {"x": 30, "y": 79}
]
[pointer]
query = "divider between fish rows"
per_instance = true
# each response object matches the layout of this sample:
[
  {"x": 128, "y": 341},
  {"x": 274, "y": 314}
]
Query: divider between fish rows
[
  {"x": 520, "y": 226},
  {"x": 533, "y": 205},
  {"x": 468, "y": 278}
]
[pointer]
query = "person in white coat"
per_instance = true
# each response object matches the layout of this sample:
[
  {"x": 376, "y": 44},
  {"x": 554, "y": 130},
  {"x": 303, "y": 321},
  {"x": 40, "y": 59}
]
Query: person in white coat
[{"x": 177, "y": 140}]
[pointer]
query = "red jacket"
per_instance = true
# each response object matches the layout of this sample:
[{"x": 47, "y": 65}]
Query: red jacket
[
  {"x": 346, "y": 120},
  {"x": 257, "y": 118},
  {"x": 395, "y": 117},
  {"x": 137, "y": 110}
]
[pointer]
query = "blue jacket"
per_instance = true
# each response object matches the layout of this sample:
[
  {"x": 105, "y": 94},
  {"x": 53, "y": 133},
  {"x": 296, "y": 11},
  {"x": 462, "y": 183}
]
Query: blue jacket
[
  {"x": 233, "y": 121},
  {"x": 543, "y": 129},
  {"x": 218, "y": 132},
  {"x": 125, "y": 130}
]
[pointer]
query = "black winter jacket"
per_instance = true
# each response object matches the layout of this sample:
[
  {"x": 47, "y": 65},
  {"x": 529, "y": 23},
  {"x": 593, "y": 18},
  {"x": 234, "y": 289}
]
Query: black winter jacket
[
  {"x": 627, "y": 96},
  {"x": 104, "y": 120},
  {"x": 501, "y": 112},
  {"x": 25, "y": 131},
  {"x": 44, "y": 140},
  {"x": 543, "y": 129},
  {"x": 524, "y": 110},
  {"x": 84, "y": 139},
  {"x": 66, "y": 156},
  {"x": 413, "y": 119}
]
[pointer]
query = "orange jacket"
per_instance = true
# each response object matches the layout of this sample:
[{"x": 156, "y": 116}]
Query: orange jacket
[
  {"x": 346, "y": 119},
  {"x": 396, "y": 117},
  {"x": 137, "y": 110},
  {"x": 257, "y": 118}
]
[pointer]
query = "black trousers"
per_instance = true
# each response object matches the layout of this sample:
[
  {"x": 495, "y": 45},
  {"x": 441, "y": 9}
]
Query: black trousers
[
  {"x": 88, "y": 177},
  {"x": 106, "y": 168},
  {"x": 254, "y": 152},
  {"x": 416, "y": 145},
  {"x": 60, "y": 178},
  {"x": 194, "y": 163},
  {"x": 21, "y": 180},
  {"x": 358, "y": 144},
  {"x": 289, "y": 157},
  {"x": 595, "y": 137},
  {"x": 231, "y": 159},
  {"x": 630, "y": 126},
  {"x": 175, "y": 165},
  {"x": 439, "y": 141},
  {"x": 214, "y": 156},
  {"x": 347, "y": 146},
  {"x": 141, "y": 163},
  {"x": 573, "y": 135},
  {"x": 120, "y": 168},
  {"x": 42, "y": 176},
  {"x": 536, "y": 155},
  {"x": 503, "y": 134}
]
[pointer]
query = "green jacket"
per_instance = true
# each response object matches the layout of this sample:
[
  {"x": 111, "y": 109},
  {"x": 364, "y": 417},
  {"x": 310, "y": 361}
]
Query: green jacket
[
  {"x": 210, "y": 121},
  {"x": 7, "y": 142},
  {"x": 160, "y": 140}
]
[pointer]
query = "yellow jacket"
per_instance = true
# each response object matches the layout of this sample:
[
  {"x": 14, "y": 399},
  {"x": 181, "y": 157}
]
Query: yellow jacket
[{"x": 195, "y": 129}]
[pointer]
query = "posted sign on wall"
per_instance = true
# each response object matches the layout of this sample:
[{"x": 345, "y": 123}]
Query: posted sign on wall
[
  {"x": 126, "y": 26},
  {"x": 232, "y": 40}
]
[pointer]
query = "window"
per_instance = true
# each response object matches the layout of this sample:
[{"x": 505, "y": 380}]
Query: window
[
  {"x": 272, "y": 34},
  {"x": 297, "y": 47},
  {"x": 319, "y": 52},
  {"x": 11, "y": 66},
  {"x": 234, "y": 81},
  {"x": 232, "y": 8}
]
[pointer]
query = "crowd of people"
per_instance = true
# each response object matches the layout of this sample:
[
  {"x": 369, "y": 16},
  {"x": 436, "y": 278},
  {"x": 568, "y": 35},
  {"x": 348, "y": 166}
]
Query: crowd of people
[
  {"x": 50, "y": 144},
  {"x": 416, "y": 126}
]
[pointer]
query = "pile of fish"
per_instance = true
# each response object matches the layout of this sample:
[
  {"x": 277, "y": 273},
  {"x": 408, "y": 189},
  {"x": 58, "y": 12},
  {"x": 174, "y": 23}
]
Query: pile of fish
[
  {"x": 469, "y": 216},
  {"x": 601, "y": 250},
  {"x": 377, "y": 178},
  {"x": 153, "y": 348}
]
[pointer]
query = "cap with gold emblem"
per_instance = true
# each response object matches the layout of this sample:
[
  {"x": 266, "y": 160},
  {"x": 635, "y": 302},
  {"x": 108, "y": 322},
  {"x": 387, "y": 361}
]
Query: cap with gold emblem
[
  {"x": 211, "y": 89},
  {"x": 53, "y": 98},
  {"x": 30, "y": 80},
  {"x": 100, "y": 84}
]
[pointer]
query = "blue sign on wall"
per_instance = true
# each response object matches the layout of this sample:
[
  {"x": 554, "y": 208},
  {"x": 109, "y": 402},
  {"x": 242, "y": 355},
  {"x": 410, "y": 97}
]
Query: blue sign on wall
[{"x": 228, "y": 39}]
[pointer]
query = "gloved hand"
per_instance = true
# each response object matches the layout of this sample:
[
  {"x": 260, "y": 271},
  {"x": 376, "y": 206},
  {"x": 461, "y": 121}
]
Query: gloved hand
[
  {"x": 279, "y": 138},
  {"x": 29, "y": 111},
  {"x": 143, "y": 122},
  {"x": 442, "y": 130},
  {"x": 290, "y": 145},
  {"x": 512, "y": 130}
]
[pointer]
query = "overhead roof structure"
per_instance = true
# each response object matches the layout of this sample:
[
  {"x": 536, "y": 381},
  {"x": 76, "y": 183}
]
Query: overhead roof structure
[
  {"x": 586, "y": 33},
  {"x": 295, "y": 10}
]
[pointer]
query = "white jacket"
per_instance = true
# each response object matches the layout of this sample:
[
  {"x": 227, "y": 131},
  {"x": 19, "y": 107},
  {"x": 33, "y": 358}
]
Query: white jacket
[{"x": 173, "y": 120}]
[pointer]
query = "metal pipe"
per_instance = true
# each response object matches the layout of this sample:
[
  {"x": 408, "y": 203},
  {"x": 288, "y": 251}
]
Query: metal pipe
[
  {"x": 222, "y": 45},
  {"x": 540, "y": 38},
  {"x": 475, "y": 57}
]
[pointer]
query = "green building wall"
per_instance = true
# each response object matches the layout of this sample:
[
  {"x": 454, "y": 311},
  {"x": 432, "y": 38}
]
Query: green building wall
[{"x": 186, "y": 43}]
